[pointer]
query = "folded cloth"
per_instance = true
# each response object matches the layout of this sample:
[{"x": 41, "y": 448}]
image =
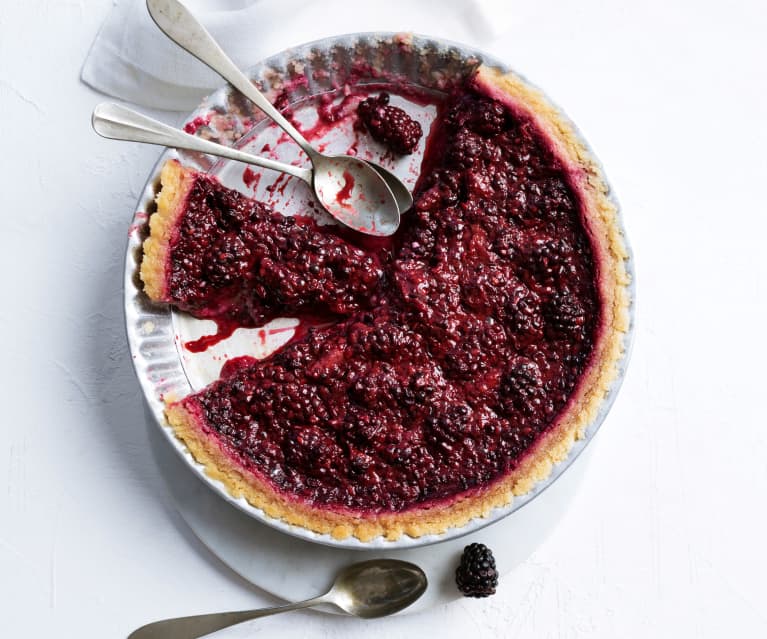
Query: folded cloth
[{"x": 131, "y": 58}]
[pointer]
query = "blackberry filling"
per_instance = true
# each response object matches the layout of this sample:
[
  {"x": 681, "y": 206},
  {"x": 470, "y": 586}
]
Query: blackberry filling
[
  {"x": 236, "y": 259},
  {"x": 454, "y": 350}
]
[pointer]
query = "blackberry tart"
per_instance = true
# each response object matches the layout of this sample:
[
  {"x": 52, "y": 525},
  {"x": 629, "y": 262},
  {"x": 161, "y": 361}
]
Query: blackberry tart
[{"x": 453, "y": 367}]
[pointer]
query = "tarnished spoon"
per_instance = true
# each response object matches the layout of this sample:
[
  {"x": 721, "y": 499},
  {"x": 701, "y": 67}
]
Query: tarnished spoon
[
  {"x": 369, "y": 589},
  {"x": 352, "y": 193},
  {"x": 178, "y": 23}
]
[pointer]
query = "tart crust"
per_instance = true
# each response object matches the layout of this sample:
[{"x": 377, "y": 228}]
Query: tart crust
[
  {"x": 176, "y": 183},
  {"x": 599, "y": 215}
]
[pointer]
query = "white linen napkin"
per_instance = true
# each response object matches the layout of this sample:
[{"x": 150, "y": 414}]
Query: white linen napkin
[{"x": 133, "y": 60}]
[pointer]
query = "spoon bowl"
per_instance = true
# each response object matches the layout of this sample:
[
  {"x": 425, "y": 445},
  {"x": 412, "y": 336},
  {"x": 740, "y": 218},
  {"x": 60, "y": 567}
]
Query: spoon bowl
[
  {"x": 378, "y": 587},
  {"x": 396, "y": 186},
  {"x": 355, "y": 194}
]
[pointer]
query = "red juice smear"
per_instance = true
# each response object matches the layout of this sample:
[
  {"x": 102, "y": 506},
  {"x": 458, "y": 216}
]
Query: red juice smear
[
  {"x": 329, "y": 116},
  {"x": 250, "y": 178},
  {"x": 263, "y": 333},
  {"x": 191, "y": 127},
  {"x": 342, "y": 197},
  {"x": 277, "y": 331},
  {"x": 278, "y": 186},
  {"x": 283, "y": 139},
  {"x": 224, "y": 329},
  {"x": 227, "y": 327}
]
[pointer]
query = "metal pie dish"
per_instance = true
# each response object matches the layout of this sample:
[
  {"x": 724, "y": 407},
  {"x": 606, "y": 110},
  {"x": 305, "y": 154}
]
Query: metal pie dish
[{"x": 156, "y": 332}]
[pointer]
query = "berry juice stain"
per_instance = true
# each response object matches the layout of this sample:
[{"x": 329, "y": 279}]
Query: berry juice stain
[
  {"x": 251, "y": 178},
  {"x": 199, "y": 121},
  {"x": 224, "y": 328},
  {"x": 342, "y": 197}
]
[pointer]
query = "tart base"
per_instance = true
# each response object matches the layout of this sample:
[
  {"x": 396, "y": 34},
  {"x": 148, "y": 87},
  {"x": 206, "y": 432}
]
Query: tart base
[{"x": 176, "y": 183}]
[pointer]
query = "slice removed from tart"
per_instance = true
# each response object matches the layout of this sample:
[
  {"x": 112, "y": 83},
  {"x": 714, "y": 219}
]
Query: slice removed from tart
[{"x": 218, "y": 254}]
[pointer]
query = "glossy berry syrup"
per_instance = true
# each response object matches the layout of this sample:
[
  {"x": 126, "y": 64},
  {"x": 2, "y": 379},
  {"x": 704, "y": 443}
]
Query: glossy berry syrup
[{"x": 453, "y": 349}]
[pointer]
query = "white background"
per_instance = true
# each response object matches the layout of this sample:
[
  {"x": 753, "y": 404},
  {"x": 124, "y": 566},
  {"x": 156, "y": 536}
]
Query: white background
[{"x": 667, "y": 535}]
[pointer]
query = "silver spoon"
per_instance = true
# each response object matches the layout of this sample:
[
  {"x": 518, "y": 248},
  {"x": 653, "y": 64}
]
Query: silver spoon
[
  {"x": 352, "y": 193},
  {"x": 368, "y": 589},
  {"x": 178, "y": 23}
]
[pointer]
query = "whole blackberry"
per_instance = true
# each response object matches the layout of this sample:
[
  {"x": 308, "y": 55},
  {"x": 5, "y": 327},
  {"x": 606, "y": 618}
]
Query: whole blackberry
[
  {"x": 389, "y": 125},
  {"x": 476, "y": 575},
  {"x": 565, "y": 314}
]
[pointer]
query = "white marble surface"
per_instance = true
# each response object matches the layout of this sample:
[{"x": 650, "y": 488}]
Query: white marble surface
[{"x": 666, "y": 536}]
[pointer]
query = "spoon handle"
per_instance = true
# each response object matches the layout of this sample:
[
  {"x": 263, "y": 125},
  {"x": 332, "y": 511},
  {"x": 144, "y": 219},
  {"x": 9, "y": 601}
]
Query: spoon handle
[
  {"x": 200, "y": 625},
  {"x": 120, "y": 123},
  {"x": 178, "y": 23}
]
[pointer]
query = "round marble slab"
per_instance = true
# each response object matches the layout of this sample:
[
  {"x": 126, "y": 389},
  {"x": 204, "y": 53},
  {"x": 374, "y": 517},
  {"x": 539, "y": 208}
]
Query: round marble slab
[{"x": 293, "y": 569}]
